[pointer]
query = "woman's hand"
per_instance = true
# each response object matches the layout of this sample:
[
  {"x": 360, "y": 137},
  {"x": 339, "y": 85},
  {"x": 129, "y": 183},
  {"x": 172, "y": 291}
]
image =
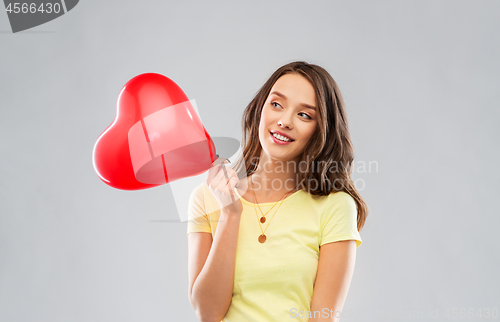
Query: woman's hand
[{"x": 222, "y": 187}]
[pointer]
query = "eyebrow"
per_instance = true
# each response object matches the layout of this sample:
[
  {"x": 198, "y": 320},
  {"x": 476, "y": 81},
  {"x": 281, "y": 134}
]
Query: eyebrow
[{"x": 284, "y": 97}]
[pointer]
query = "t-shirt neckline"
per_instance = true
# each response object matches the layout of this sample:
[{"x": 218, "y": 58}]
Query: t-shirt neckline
[{"x": 264, "y": 203}]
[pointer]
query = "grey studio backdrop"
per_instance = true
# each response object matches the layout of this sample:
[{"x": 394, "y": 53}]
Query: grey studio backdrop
[{"x": 420, "y": 80}]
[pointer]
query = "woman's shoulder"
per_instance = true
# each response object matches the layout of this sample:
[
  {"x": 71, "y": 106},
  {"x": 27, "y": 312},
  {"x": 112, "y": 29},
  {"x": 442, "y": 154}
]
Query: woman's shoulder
[
  {"x": 340, "y": 195},
  {"x": 199, "y": 191},
  {"x": 335, "y": 197}
]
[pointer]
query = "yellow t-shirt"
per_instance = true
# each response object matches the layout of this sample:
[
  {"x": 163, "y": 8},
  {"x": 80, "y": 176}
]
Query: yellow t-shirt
[{"x": 273, "y": 281}]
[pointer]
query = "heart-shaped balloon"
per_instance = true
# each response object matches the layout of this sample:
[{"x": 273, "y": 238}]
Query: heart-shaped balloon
[{"x": 156, "y": 137}]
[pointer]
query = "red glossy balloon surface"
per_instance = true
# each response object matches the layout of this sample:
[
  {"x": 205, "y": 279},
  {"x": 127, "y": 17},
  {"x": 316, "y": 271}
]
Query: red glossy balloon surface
[{"x": 155, "y": 138}]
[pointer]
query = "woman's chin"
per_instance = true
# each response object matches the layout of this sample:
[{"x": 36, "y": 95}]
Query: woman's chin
[{"x": 283, "y": 157}]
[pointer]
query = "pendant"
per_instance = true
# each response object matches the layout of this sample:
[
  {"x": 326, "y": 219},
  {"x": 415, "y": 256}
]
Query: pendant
[
  {"x": 262, "y": 219},
  {"x": 262, "y": 238}
]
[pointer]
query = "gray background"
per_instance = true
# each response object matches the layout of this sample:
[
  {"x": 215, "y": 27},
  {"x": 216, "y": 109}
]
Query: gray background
[{"x": 420, "y": 79}]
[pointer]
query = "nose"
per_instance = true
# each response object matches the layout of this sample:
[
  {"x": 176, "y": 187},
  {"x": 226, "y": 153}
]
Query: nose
[{"x": 285, "y": 121}]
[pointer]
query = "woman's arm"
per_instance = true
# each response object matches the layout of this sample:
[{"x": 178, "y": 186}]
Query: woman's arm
[
  {"x": 335, "y": 269},
  {"x": 211, "y": 268}
]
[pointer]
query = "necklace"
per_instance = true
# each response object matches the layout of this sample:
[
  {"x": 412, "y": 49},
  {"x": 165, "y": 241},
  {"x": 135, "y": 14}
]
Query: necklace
[
  {"x": 263, "y": 218},
  {"x": 262, "y": 237}
]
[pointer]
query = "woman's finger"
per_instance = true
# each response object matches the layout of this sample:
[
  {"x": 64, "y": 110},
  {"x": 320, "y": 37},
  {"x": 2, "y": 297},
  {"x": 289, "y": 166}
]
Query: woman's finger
[
  {"x": 233, "y": 182},
  {"x": 216, "y": 179},
  {"x": 225, "y": 171},
  {"x": 221, "y": 180},
  {"x": 212, "y": 172},
  {"x": 219, "y": 161},
  {"x": 229, "y": 173},
  {"x": 215, "y": 168},
  {"x": 226, "y": 186}
]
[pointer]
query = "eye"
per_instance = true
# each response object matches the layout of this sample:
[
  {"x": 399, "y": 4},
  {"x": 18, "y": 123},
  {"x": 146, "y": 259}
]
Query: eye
[
  {"x": 272, "y": 103},
  {"x": 306, "y": 115}
]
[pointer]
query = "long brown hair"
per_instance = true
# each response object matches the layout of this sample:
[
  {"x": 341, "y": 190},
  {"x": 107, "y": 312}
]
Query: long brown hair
[{"x": 329, "y": 154}]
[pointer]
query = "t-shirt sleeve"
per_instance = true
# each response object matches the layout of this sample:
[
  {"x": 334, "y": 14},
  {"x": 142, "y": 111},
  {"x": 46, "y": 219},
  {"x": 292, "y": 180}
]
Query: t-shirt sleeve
[
  {"x": 198, "y": 219},
  {"x": 339, "y": 220}
]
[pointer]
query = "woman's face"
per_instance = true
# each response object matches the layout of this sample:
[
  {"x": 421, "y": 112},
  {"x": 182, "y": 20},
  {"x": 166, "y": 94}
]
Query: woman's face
[{"x": 291, "y": 110}]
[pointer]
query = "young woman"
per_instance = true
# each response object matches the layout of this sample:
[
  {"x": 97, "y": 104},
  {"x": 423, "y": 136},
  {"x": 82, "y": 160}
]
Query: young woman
[{"x": 285, "y": 249}]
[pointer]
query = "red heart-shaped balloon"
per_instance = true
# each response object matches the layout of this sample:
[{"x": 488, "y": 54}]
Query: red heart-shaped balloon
[{"x": 156, "y": 137}]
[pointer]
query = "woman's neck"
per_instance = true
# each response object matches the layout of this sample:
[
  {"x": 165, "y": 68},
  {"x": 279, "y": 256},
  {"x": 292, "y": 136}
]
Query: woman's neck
[{"x": 274, "y": 176}]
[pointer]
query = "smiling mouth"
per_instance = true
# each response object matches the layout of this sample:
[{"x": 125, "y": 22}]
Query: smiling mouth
[{"x": 281, "y": 138}]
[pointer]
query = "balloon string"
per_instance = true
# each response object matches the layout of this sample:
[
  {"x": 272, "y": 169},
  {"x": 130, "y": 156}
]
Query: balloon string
[{"x": 225, "y": 174}]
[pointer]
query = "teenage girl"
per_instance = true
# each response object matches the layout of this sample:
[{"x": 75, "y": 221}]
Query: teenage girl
[{"x": 273, "y": 237}]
